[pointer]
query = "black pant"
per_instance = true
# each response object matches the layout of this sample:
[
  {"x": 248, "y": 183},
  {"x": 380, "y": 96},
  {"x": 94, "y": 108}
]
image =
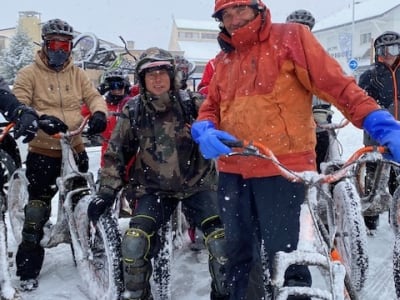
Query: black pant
[
  {"x": 41, "y": 172},
  {"x": 199, "y": 208},
  {"x": 258, "y": 209}
]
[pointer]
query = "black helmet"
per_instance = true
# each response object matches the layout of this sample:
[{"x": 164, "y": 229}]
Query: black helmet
[
  {"x": 387, "y": 42},
  {"x": 155, "y": 58},
  {"x": 115, "y": 80},
  {"x": 301, "y": 16},
  {"x": 57, "y": 26}
]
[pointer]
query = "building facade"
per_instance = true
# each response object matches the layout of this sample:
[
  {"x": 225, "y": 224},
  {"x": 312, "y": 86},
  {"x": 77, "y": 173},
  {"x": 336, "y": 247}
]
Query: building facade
[{"x": 348, "y": 35}]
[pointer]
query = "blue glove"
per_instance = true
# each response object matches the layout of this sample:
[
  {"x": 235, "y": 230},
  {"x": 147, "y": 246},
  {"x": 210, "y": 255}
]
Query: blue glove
[
  {"x": 384, "y": 129},
  {"x": 209, "y": 139}
]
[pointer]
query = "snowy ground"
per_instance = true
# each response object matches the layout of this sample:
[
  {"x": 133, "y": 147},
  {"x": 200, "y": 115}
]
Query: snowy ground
[{"x": 59, "y": 278}]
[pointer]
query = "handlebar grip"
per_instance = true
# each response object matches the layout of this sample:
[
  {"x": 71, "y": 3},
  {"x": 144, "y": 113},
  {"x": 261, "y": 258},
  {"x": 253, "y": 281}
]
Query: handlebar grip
[{"x": 232, "y": 144}]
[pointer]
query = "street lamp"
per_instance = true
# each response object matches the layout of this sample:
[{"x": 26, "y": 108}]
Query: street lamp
[{"x": 353, "y": 27}]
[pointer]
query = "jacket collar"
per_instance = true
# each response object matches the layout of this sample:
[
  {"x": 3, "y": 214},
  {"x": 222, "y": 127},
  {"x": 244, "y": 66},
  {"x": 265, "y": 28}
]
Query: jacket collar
[
  {"x": 243, "y": 38},
  {"x": 42, "y": 62}
]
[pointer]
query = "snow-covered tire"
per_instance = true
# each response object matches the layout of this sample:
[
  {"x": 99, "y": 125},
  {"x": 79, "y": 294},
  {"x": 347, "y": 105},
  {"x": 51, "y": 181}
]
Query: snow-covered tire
[
  {"x": 17, "y": 198},
  {"x": 396, "y": 265},
  {"x": 7, "y": 168},
  {"x": 351, "y": 237},
  {"x": 99, "y": 262},
  {"x": 395, "y": 224},
  {"x": 162, "y": 263},
  {"x": 85, "y": 48}
]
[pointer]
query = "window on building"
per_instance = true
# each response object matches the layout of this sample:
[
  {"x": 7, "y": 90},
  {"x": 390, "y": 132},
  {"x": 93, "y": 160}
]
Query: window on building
[
  {"x": 188, "y": 35},
  {"x": 365, "y": 38},
  {"x": 209, "y": 36}
]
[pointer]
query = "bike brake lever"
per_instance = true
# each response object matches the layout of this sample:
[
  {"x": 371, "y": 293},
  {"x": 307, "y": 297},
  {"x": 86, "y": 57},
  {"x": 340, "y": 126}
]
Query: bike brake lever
[{"x": 232, "y": 144}]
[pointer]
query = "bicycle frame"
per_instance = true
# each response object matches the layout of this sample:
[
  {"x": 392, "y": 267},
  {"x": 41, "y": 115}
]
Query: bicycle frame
[
  {"x": 317, "y": 241},
  {"x": 60, "y": 232}
]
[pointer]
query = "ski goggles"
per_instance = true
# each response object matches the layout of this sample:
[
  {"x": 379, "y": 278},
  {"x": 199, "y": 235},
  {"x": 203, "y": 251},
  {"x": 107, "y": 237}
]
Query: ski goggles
[
  {"x": 389, "y": 50},
  {"x": 116, "y": 85},
  {"x": 55, "y": 45}
]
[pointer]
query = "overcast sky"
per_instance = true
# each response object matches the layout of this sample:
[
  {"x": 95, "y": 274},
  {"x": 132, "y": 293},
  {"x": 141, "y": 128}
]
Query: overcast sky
[{"x": 147, "y": 22}]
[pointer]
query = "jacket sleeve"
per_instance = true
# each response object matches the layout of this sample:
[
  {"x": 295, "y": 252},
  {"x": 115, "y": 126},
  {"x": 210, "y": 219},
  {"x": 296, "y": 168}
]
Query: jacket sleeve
[
  {"x": 121, "y": 148},
  {"x": 322, "y": 75}
]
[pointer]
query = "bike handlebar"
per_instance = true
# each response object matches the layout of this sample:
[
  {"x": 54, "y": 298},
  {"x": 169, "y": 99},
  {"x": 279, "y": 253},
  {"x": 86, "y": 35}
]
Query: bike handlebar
[
  {"x": 69, "y": 133},
  {"x": 259, "y": 150}
]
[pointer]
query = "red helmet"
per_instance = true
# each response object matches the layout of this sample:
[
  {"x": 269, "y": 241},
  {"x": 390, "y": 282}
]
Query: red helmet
[{"x": 222, "y": 4}]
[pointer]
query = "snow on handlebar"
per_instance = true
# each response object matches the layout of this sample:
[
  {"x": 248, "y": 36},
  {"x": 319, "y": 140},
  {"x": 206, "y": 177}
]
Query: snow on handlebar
[
  {"x": 245, "y": 148},
  {"x": 69, "y": 133}
]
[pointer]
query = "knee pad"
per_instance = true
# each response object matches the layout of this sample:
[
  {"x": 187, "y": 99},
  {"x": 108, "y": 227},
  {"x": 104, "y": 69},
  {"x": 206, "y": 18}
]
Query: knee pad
[
  {"x": 211, "y": 224},
  {"x": 135, "y": 244},
  {"x": 216, "y": 245},
  {"x": 37, "y": 213},
  {"x": 137, "y": 267}
]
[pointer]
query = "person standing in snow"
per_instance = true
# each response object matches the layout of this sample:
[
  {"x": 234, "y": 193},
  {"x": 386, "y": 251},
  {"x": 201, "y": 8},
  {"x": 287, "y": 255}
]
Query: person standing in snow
[
  {"x": 382, "y": 82},
  {"x": 262, "y": 90},
  {"x": 55, "y": 89},
  {"x": 155, "y": 129}
]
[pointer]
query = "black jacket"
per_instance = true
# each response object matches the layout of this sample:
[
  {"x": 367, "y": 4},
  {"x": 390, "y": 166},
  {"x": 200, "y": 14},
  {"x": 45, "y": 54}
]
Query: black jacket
[
  {"x": 8, "y": 102},
  {"x": 383, "y": 84}
]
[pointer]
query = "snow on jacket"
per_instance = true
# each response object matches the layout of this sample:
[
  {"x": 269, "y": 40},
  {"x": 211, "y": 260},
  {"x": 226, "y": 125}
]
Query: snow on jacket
[
  {"x": 262, "y": 91},
  {"x": 59, "y": 94}
]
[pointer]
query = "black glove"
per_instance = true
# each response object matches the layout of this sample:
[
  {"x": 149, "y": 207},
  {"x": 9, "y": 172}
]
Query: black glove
[
  {"x": 97, "y": 123},
  {"x": 103, "y": 88},
  {"x": 26, "y": 123},
  {"x": 52, "y": 125},
  {"x": 96, "y": 208}
]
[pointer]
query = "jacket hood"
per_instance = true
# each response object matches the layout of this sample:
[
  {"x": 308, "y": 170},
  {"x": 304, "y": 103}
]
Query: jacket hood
[{"x": 255, "y": 31}]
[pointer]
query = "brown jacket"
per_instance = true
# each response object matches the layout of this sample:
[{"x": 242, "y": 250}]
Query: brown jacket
[
  {"x": 262, "y": 91},
  {"x": 59, "y": 94}
]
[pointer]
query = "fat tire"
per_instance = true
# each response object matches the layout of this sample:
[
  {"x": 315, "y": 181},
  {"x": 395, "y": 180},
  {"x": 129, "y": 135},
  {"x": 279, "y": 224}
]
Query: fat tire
[
  {"x": 395, "y": 224},
  {"x": 85, "y": 48},
  {"x": 105, "y": 262},
  {"x": 162, "y": 262},
  {"x": 17, "y": 198},
  {"x": 8, "y": 165},
  {"x": 351, "y": 234}
]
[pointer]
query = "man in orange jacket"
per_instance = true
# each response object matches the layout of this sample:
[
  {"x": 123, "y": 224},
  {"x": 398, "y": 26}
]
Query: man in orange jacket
[{"x": 268, "y": 73}]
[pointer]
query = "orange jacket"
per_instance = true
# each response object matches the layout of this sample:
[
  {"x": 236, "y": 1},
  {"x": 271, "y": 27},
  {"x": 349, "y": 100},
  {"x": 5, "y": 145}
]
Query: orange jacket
[{"x": 262, "y": 91}]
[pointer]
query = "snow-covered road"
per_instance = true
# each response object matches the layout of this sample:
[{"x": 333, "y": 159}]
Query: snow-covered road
[{"x": 59, "y": 278}]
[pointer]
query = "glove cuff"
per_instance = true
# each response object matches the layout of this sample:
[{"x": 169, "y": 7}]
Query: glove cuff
[
  {"x": 199, "y": 127},
  {"x": 379, "y": 124}
]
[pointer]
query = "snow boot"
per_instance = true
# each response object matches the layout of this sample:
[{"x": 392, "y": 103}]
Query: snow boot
[
  {"x": 371, "y": 222},
  {"x": 29, "y": 284}
]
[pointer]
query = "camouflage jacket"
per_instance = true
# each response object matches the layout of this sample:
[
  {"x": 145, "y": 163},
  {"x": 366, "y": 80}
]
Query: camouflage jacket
[{"x": 156, "y": 131}]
